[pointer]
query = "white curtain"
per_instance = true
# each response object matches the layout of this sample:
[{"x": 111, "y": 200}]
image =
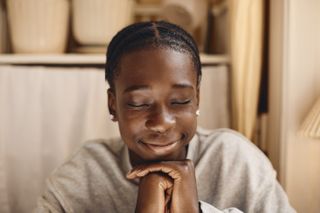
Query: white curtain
[
  {"x": 47, "y": 112},
  {"x": 246, "y": 35}
]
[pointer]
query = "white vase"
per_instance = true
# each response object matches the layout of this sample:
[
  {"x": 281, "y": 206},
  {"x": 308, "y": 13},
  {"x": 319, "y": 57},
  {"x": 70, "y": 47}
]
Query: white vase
[
  {"x": 95, "y": 22},
  {"x": 38, "y": 26},
  {"x": 189, "y": 14},
  {"x": 149, "y": 1}
]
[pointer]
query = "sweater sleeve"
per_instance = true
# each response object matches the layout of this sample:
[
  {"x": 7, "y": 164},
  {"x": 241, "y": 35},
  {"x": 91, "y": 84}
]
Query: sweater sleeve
[
  {"x": 48, "y": 204},
  {"x": 239, "y": 175},
  {"x": 272, "y": 198},
  {"x": 49, "y": 201},
  {"x": 207, "y": 208}
]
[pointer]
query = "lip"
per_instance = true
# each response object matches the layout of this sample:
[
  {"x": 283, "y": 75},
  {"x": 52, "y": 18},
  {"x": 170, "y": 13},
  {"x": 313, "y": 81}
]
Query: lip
[{"x": 160, "y": 148}]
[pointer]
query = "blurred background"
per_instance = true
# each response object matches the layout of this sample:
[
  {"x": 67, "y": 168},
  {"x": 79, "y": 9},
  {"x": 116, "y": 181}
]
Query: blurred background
[{"x": 261, "y": 76}]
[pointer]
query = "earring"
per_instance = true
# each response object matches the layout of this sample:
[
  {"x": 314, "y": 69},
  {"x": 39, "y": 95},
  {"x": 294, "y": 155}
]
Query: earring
[
  {"x": 111, "y": 116},
  {"x": 198, "y": 112}
]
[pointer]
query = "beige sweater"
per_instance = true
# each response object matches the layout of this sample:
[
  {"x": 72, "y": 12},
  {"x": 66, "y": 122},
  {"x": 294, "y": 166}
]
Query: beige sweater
[{"x": 230, "y": 172}]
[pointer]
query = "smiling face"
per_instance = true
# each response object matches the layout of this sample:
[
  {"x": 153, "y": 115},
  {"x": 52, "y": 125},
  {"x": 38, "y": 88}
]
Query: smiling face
[{"x": 154, "y": 100}]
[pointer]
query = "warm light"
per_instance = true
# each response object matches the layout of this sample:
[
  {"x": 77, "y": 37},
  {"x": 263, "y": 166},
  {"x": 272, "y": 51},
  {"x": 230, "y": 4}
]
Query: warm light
[{"x": 311, "y": 125}]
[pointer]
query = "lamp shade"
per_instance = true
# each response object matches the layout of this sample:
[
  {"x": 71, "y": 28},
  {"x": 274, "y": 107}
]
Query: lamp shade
[{"x": 311, "y": 125}]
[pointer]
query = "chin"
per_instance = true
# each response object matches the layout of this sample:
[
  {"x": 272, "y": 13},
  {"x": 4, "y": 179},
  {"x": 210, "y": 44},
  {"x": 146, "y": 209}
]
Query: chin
[{"x": 167, "y": 157}]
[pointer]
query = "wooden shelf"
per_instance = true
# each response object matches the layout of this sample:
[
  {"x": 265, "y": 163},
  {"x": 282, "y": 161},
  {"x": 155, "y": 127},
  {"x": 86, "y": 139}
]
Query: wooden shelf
[
  {"x": 74, "y": 59},
  {"x": 84, "y": 59},
  {"x": 147, "y": 10}
]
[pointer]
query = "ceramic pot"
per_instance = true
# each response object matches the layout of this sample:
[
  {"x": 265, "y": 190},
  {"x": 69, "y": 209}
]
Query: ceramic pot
[
  {"x": 95, "y": 22},
  {"x": 149, "y": 1},
  {"x": 38, "y": 26},
  {"x": 188, "y": 14}
]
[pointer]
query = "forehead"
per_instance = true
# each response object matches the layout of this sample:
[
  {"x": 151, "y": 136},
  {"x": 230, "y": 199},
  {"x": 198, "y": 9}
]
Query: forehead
[{"x": 155, "y": 65}]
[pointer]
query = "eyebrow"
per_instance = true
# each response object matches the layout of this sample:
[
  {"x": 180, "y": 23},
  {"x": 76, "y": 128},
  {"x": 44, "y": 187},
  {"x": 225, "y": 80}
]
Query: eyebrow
[
  {"x": 182, "y": 86},
  {"x": 146, "y": 87}
]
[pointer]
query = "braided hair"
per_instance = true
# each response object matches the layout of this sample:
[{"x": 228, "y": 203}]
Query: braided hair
[{"x": 143, "y": 35}]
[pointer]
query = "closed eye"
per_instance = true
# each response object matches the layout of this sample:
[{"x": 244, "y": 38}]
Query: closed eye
[
  {"x": 181, "y": 102},
  {"x": 132, "y": 105}
]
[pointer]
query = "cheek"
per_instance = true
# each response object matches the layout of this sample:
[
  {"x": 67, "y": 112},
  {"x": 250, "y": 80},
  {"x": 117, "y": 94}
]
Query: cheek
[
  {"x": 187, "y": 122},
  {"x": 130, "y": 126}
]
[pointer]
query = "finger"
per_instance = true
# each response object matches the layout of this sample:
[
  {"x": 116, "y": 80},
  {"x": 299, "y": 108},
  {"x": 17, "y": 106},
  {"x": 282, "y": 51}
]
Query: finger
[
  {"x": 168, "y": 195},
  {"x": 164, "y": 167},
  {"x": 138, "y": 173},
  {"x": 175, "y": 169},
  {"x": 132, "y": 175}
]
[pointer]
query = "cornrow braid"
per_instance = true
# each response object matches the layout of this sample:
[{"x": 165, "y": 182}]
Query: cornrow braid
[{"x": 158, "y": 34}]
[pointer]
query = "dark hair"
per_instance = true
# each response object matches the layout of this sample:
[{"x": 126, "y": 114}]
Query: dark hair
[{"x": 150, "y": 35}]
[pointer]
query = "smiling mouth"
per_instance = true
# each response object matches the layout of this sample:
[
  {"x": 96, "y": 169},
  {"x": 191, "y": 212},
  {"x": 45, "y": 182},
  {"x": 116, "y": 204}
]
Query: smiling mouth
[{"x": 160, "y": 148}]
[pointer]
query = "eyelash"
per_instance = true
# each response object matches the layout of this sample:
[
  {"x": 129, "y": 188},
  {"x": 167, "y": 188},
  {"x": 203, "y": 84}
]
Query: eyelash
[
  {"x": 139, "y": 106},
  {"x": 181, "y": 102}
]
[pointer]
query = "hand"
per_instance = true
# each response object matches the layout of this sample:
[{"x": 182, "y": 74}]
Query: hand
[
  {"x": 184, "y": 196},
  {"x": 154, "y": 193}
]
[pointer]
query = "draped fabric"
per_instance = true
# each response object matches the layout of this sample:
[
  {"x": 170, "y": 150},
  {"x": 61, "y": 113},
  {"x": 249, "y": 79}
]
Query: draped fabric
[
  {"x": 47, "y": 112},
  {"x": 246, "y": 43}
]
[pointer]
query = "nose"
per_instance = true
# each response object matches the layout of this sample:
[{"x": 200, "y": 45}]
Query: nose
[{"x": 161, "y": 120}]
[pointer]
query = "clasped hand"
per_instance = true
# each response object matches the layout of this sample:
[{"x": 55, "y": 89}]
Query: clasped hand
[{"x": 168, "y": 186}]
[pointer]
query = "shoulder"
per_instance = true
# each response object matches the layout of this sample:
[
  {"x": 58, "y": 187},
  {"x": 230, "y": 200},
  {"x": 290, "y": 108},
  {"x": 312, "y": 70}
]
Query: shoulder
[
  {"x": 233, "y": 150},
  {"x": 225, "y": 138},
  {"x": 95, "y": 154},
  {"x": 98, "y": 151},
  {"x": 232, "y": 171},
  {"x": 87, "y": 172}
]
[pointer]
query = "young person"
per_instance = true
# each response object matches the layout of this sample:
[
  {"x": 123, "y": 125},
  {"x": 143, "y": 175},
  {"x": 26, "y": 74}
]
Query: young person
[{"x": 162, "y": 162}]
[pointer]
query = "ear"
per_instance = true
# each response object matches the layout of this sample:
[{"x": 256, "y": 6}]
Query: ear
[{"x": 112, "y": 104}]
